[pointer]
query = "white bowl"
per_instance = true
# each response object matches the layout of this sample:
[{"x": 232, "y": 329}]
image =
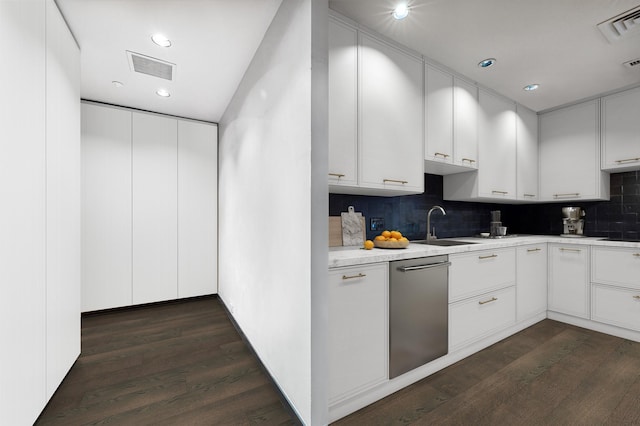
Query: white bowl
[{"x": 484, "y": 234}]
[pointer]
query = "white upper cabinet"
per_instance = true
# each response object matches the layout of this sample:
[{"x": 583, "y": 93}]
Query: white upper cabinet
[
  {"x": 621, "y": 131},
  {"x": 527, "y": 154},
  {"x": 390, "y": 118},
  {"x": 495, "y": 179},
  {"x": 343, "y": 104},
  {"x": 451, "y": 123},
  {"x": 570, "y": 154}
]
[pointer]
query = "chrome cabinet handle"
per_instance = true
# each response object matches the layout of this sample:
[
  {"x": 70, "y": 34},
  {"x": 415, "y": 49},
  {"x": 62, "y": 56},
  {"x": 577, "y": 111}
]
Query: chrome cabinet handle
[
  {"x": 427, "y": 266},
  {"x": 395, "y": 181},
  {"x": 570, "y": 194},
  {"x": 570, "y": 249},
  {"x": 488, "y": 257},
  {"x": 338, "y": 175},
  {"x": 627, "y": 160},
  {"x": 484, "y": 302},
  {"x": 469, "y": 160},
  {"x": 500, "y": 192},
  {"x": 533, "y": 249},
  {"x": 350, "y": 277},
  {"x": 529, "y": 195},
  {"x": 436, "y": 154}
]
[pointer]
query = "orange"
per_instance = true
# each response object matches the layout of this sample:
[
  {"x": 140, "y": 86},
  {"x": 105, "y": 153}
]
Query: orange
[
  {"x": 380, "y": 238},
  {"x": 395, "y": 234},
  {"x": 386, "y": 234},
  {"x": 393, "y": 240},
  {"x": 368, "y": 245},
  {"x": 403, "y": 239}
]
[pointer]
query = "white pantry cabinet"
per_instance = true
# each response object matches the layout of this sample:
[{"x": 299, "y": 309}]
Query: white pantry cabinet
[
  {"x": 495, "y": 179},
  {"x": 569, "y": 279},
  {"x": 106, "y": 207},
  {"x": 358, "y": 329},
  {"x": 621, "y": 131},
  {"x": 451, "y": 121},
  {"x": 570, "y": 154},
  {"x": 527, "y": 154},
  {"x": 343, "y": 105},
  {"x": 155, "y": 208},
  {"x": 531, "y": 280},
  {"x": 40, "y": 187},
  {"x": 149, "y": 207},
  {"x": 197, "y": 208}
]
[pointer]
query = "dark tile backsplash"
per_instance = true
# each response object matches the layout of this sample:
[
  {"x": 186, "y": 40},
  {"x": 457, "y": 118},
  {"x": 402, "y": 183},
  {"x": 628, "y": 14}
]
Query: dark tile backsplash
[{"x": 618, "y": 218}]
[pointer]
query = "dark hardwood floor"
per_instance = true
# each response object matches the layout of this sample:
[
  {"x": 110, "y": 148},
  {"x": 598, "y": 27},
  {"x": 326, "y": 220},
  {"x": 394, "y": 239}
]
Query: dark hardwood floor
[
  {"x": 180, "y": 363},
  {"x": 549, "y": 374},
  {"x": 183, "y": 363}
]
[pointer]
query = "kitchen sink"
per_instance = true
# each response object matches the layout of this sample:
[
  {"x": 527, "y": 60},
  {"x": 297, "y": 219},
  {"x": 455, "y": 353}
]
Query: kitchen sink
[{"x": 442, "y": 243}]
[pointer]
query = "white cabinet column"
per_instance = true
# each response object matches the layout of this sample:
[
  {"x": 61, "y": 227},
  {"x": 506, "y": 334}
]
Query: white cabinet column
[
  {"x": 197, "y": 208},
  {"x": 106, "y": 207},
  {"x": 155, "y": 209}
]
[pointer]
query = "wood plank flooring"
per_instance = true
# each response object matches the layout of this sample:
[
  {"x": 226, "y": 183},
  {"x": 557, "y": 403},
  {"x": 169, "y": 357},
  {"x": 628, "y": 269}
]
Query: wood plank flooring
[
  {"x": 180, "y": 363},
  {"x": 549, "y": 374},
  {"x": 183, "y": 363}
]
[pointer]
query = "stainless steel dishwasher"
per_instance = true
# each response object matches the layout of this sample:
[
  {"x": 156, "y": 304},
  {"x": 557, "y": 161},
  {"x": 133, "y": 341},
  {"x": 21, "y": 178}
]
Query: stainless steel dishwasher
[{"x": 418, "y": 312}]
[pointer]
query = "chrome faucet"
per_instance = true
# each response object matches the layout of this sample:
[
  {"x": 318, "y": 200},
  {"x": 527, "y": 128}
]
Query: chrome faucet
[{"x": 429, "y": 236}]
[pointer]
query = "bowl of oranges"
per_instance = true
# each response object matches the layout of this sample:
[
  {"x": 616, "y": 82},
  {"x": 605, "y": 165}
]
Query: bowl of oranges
[{"x": 391, "y": 240}]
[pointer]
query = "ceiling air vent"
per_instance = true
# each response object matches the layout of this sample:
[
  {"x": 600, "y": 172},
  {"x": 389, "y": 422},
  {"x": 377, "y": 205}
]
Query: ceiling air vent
[
  {"x": 635, "y": 63},
  {"x": 621, "y": 26},
  {"x": 151, "y": 66}
]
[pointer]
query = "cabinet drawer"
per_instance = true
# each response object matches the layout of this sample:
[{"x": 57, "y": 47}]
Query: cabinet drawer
[
  {"x": 616, "y": 306},
  {"x": 475, "y": 318},
  {"x": 476, "y": 273},
  {"x": 616, "y": 265}
]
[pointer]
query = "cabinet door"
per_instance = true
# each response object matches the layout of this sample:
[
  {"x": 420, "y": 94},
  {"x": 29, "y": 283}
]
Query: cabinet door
[
  {"x": 390, "y": 125},
  {"x": 569, "y": 279},
  {"x": 197, "y": 208},
  {"x": 615, "y": 266},
  {"x": 154, "y": 208},
  {"x": 343, "y": 105},
  {"x": 475, "y": 273},
  {"x": 438, "y": 115},
  {"x": 358, "y": 329},
  {"x": 465, "y": 120},
  {"x": 106, "y": 207},
  {"x": 22, "y": 216},
  {"x": 531, "y": 281},
  {"x": 571, "y": 136},
  {"x": 63, "y": 199},
  {"x": 527, "y": 155},
  {"x": 616, "y": 306},
  {"x": 621, "y": 131},
  {"x": 497, "y": 146}
]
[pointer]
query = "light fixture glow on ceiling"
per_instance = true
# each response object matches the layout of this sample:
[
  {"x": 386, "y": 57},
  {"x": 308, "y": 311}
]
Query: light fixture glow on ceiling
[
  {"x": 486, "y": 63},
  {"x": 531, "y": 87},
  {"x": 163, "y": 92},
  {"x": 161, "y": 40},
  {"x": 401, "y": 11},
  {"x": 117, "y": 83}
]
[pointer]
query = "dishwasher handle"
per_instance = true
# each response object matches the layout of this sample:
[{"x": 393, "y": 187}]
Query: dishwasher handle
[{"x": 427, "y": 266}]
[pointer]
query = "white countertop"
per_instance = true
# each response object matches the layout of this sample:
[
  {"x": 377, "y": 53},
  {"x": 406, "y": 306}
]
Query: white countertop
[{"x": 350, "y": 256}]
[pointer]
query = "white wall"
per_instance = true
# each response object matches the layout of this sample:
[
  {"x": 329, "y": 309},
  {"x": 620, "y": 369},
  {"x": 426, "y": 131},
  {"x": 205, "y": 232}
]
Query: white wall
[{"x": 267, "y": 187}]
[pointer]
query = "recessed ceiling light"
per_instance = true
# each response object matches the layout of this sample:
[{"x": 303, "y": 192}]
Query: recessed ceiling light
[
  {"x": 531, "y": 87},
  {"x": 401, "y": 11},
  {"x": 485, "y": 63},
  {"x": 161, "y": 40},
  {"x": 117, "y": 83},
  {"x": 163, "y": 92}
]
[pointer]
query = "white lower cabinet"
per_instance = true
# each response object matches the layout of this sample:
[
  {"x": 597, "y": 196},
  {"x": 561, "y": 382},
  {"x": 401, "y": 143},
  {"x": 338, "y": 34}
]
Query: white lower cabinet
[
  {"x": 616, "y": 306},
  {"x": 358, "y": 329},
  {"x": 472, "y": 319},
  {"x": 531, "y": 280},
  {"x": 569, "y": 279},
  {"x": 478, "y": 272}
]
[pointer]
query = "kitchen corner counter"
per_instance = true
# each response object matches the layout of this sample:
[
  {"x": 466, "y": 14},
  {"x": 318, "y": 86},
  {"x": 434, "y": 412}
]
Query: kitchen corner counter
[{"x": 351, "y": 256}]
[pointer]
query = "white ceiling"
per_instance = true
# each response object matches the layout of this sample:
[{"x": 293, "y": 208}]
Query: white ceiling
[
  {"x": 551, "y": 42},
  {"x": 213, "y": 44}
]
